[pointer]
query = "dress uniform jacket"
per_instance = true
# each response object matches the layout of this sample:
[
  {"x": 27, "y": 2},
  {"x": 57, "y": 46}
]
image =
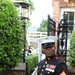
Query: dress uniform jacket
[{"x": 52, "y": 66}]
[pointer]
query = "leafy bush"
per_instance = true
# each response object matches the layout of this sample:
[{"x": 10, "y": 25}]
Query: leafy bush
[
  {"x": 72, "y": 50},
  {"x": 11, "y": 35},
  {"x": 32, "y": 61}
]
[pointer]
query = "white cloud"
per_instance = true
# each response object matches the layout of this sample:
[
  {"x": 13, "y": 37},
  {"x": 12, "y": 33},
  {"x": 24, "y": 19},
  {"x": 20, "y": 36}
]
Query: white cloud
[{"x": 42, "y": 9}]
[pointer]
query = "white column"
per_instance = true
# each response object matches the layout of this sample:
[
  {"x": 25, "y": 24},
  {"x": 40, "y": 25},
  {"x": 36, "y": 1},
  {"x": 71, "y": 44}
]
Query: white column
[{"x": 39, "y": 52}]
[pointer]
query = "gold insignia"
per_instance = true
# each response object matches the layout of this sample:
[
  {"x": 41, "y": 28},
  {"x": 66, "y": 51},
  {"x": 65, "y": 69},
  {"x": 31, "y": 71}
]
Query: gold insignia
[
  {"x": 48, "y": 72},
  {"x": 45, "y": 62},
  {"x": 48, "y": 58},
  {"x": 56, "y": 57},
  {"x": 41, "y": 74},
  {"x": 42, "y": 69},
  {"x": 46, "y": 38},
  {"x": 43, "y": 65}
]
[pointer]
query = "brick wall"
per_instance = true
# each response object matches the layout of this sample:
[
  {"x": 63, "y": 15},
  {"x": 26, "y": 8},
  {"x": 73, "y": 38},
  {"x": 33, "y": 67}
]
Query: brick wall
[{"x": 57, "y": 4}]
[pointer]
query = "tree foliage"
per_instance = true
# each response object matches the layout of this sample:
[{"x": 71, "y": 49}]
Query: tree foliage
[
  {"x": 43, "y": 26},
  {"x": 11, "y": 35},
  {"x": 72, "y": 50}
]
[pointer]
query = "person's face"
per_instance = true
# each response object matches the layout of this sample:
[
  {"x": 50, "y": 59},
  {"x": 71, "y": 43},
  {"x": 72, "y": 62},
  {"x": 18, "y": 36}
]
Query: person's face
[{"x": 49, "y": 51}]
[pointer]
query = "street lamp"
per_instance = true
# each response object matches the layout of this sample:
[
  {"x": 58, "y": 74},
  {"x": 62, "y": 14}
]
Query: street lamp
[
  {"x": 62, "y": 38},
  {"x": 23, "y": 13}
]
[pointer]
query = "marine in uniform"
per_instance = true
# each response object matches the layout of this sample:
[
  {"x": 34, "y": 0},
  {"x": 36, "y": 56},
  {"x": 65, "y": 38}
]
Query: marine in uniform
[{"x": 51, "y": 65}]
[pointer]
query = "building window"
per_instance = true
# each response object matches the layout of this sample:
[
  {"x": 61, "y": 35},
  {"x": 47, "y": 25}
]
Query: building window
[{"x": 69, "y": 16}]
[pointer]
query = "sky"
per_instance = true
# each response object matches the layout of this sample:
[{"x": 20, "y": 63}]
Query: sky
[{"x": 42, "y": 9}]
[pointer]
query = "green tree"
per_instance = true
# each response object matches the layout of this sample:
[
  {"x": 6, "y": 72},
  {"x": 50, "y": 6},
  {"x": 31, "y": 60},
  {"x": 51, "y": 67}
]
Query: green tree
[
  {"x": 43, "y": 26},
  {"x": 11, "y": 36},
  {"x": 72, "y": 50}
]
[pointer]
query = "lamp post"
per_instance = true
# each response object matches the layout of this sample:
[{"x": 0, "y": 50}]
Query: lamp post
[
  {"x": 62, "y": 39},
  {"x": 23, "y": 13},
  {"x": 24, "y": 27}
]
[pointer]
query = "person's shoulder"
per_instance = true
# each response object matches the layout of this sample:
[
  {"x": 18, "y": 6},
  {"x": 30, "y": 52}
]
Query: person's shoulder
[
  {"x": 59, "y": 61},
  {"x": 42, "y": 61}
]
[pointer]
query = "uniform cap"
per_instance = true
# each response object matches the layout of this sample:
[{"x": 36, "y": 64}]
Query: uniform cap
[{"x": 48, "y": 39}]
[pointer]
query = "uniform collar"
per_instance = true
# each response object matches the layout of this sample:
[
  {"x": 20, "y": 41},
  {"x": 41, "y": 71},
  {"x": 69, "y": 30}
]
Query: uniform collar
[{"x": 51, "y": 57}]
